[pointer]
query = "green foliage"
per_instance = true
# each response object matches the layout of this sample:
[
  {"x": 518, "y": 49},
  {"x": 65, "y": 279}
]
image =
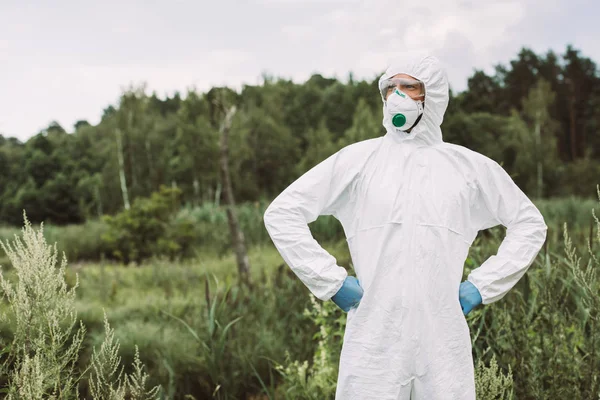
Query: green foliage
[
  {"x": 483, "y": 132},
  {"x": 365, "y": 125},
  {"x": 579, "y": 177},
  {"x": 532, "y": 139},
  {"x": 77, "y": 242},
  {"x": 147, "y": 305},
  {"x": 491, "y": 383},
  {"x": 194, "y": 229},
  {"x": 204, "y": 229},
  {"x": 107, "y": 380},
  {"x": 267, "y": 144},
  {"x": 318, "y": 379},
  {"x": 148, "y": 229},
  {"x": 43, "y": 183},
  {"x": 214, "y": 349},
  {"x": 546, "y": 327},
  {"x": 41, "y": 353},
  {"x": 46, "y": 336},
  {"x": 543, "y": 333},
  {"x": 319, "y": 146},
  {"x": 282, "y": 128}
]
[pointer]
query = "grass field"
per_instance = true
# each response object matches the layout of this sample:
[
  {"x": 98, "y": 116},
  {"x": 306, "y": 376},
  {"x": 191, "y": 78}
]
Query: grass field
[{"x": 545, "y": 329}]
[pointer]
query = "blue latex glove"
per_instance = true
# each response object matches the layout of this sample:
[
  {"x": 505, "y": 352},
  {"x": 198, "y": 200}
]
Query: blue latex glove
[
  {"x": 469, "y": 296},
  {"x": 349, "y": 294}
]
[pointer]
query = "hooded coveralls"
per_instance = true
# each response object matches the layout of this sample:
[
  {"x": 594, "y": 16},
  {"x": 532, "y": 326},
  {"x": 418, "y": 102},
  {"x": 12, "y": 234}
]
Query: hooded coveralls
[{"x": 410, "y": 205}]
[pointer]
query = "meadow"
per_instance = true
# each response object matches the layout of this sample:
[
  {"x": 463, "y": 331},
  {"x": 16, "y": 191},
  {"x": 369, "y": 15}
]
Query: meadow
[{"x": 202, "y": 335}]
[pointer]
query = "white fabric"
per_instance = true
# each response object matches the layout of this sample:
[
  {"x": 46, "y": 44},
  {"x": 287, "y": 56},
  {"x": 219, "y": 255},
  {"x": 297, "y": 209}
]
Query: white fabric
[{"x": 411, "y": 206}]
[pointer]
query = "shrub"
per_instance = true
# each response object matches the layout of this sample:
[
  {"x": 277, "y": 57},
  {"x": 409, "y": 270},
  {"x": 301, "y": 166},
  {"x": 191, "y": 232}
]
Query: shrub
[
  {"x": 491, "y": 383},
  {"x": 149, "y": 229},
  {"x": 579, "y": 177},
  {"x": 39, "y": 361},
  {"x": 319, "y": 379}
]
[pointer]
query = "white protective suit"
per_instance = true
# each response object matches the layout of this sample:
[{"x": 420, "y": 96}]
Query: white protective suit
[{"x": 411, "y": 206}]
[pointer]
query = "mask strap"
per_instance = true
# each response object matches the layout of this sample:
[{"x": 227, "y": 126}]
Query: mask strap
[{"x": 416, "y": 122}]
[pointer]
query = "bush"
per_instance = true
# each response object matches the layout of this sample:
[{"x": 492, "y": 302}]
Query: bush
[
  {"x": 319, "y": 379},
  {"x": 579, "y": 177},
  {"x": 78, "y": 242},
  {"x": 491, "y": 383},
  {"x": 40, "y": 358},
  {"x": 149, "y": 229}
]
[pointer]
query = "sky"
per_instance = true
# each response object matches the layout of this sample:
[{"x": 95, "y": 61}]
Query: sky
[{"x": 67, "y": 60}]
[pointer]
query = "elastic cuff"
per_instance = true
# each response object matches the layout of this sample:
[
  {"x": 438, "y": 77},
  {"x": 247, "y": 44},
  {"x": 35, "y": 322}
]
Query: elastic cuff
[
  {"x": 336, "y": 288},
  {"x": 483, "y": 299}
]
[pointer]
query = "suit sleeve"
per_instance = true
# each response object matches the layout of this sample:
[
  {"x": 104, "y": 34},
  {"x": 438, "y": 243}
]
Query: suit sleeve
[
  {"x": 323, "y": 190},
  {"x": 500, "y": 201}
]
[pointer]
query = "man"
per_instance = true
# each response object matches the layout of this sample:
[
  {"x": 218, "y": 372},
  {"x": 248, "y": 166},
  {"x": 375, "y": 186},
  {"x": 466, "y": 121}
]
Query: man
[{"x": 411, "y": 206}]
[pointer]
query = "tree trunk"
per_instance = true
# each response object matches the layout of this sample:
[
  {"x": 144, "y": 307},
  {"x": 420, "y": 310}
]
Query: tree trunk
[
  {"x": 196, "y": 185},
  {"x": 98, "y": 200},
  {"x": 151, "y": 177},
  {"x": 122, "y": 177},
  {"x": 237, "y": 236},
  {"x": 572, "y": 121},
  {"x": 539, "y": 155},
  {"x": 131, "y": 153},
  {"x": 218, "y": 194}
]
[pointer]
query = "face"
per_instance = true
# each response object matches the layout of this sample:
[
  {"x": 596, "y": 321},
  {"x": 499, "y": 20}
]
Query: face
[{"x": 414, "y": 91}]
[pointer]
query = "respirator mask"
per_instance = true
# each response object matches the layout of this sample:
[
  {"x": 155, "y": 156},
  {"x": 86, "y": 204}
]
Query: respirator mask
[{"x": 403, "y": 100}]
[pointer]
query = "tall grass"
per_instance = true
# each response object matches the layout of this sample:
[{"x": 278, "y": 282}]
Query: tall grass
[
  {"x": 210, "y": 232},
  {"x": 540, "y": 341},
  {"x": 184, "y": 329},
  {"x": 78, "y": 242},
  {"x": 41, "y": 351}
]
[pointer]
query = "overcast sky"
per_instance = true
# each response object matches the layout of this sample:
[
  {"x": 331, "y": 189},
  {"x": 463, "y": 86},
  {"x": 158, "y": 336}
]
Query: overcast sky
[{"x": 67, "y": 60}]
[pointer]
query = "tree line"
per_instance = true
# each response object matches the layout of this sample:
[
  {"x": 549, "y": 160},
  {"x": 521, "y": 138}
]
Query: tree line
[{"x": 538, "y": 116}]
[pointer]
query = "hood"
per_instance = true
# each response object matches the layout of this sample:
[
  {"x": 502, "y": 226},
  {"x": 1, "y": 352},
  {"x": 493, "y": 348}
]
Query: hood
[{"x": 429, "y": 70}]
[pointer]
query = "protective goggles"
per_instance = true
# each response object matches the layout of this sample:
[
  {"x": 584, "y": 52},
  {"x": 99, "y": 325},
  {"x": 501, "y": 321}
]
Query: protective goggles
[{"x": 412, "y": 87}]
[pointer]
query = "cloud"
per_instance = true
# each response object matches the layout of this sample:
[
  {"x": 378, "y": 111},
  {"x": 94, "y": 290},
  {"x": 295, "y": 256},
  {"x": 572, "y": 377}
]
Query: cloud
[
  {"x": 305, "y": 2},
  {"x": 67, "y": 60},
  {"x": 299, "y": 32},
  {"x": 80, "y": 91},
  {"x": 363, "y": 37}
]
